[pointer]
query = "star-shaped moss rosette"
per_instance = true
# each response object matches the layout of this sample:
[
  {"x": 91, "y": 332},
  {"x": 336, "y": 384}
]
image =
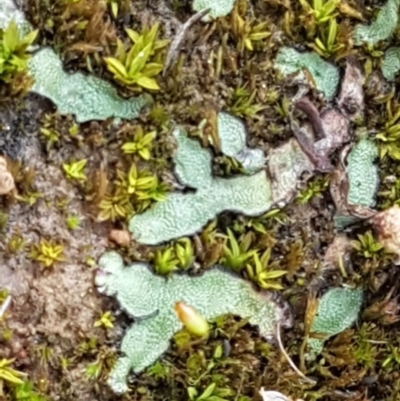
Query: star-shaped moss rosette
[
  {"x": 381, "y": 28},
  {"x": 183, "y": 214},
  {"x": 338, "y": 309},
  {"x": 150, "y": 299},
  {"x": 325, "y": 75}
]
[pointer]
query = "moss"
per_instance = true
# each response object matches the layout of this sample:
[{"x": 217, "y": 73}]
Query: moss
[
  {"x": 219, "y": 60},
  {"x": 144, "y": 295}
]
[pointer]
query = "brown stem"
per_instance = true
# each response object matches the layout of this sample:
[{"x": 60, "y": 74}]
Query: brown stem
[
  {"x": 180, "y": 37},
  {"x": 321, "y": 164},
  {"x": 304, "y": 104}
]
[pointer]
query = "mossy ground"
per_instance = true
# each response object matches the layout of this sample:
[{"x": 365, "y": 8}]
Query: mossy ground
[{"x": 54, "y": 310}]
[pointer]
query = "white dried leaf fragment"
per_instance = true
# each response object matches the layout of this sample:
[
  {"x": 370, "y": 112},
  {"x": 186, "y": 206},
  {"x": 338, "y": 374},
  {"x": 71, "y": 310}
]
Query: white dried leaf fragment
[
  {"x": 275, "y": 396},
  {"x": 387, "y": 225},
  {"x": 6, "y": 179}
]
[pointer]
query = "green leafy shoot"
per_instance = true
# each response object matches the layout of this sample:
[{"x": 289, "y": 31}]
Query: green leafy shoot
[
  {"x": 184, "y": 252},
  {"x": 211, "y": 393},
  {"x": 101, "y": 366},
  {"x": 246, "y": 32},
  {"x": 137, "y": 67},
  {"x": 16, "y": 243},
  {"x": 136, "y": 182},
  {"x": 134, "y": 192},
  {"x": 25, "y": 392},
  {"x": 364, "y": 349},
  {"x": 114, "y": 6},
  {"x": 392, "y": 361},
  {"x": 264, "y": 273},
  {"x": 30, "y": 197},
  {"x": 367, "y": 246},
  {"x": 75, "y": 170},
  {"x": 317, "y": 12},
  {"x": 389, "y": 137},
  {"x": 47, "y": 252},
  {"x": 235, "y": 256},
  {"x": 244, "y": 104},
  {"x": 159, "y": 116},
  {"x": 156, "y": 192},
  {"x": 8, "y": 374},
  {"x": 114, "y": 207},
  {"x": 267, "y": 220},
  {"x": 390, "y": 196},
  {"x": 72, "y": 222},
  {"x": 314, "y": 189},
  {"x": 141, "y": 144},
  {"x": 4, "y": 294},
  {"x": 51, "y": 137},
  {"x": 159, "y": 371},
  {"x": 13, "y": 51},
  {"x": 327, "y": 45},
  {"x": 282, "y": 107},
  {"x": 105, "y": 320},
  {"x": 165, "y": 261},
  {"x": 93, "y": 370}
]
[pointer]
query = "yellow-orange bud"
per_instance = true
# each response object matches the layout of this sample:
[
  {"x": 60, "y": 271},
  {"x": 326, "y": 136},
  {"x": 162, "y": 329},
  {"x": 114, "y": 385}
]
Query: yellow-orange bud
[{"x": 191, "y": 319}]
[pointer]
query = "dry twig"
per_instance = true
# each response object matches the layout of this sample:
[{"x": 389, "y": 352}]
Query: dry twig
[{"x": 180, "y": 37}]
